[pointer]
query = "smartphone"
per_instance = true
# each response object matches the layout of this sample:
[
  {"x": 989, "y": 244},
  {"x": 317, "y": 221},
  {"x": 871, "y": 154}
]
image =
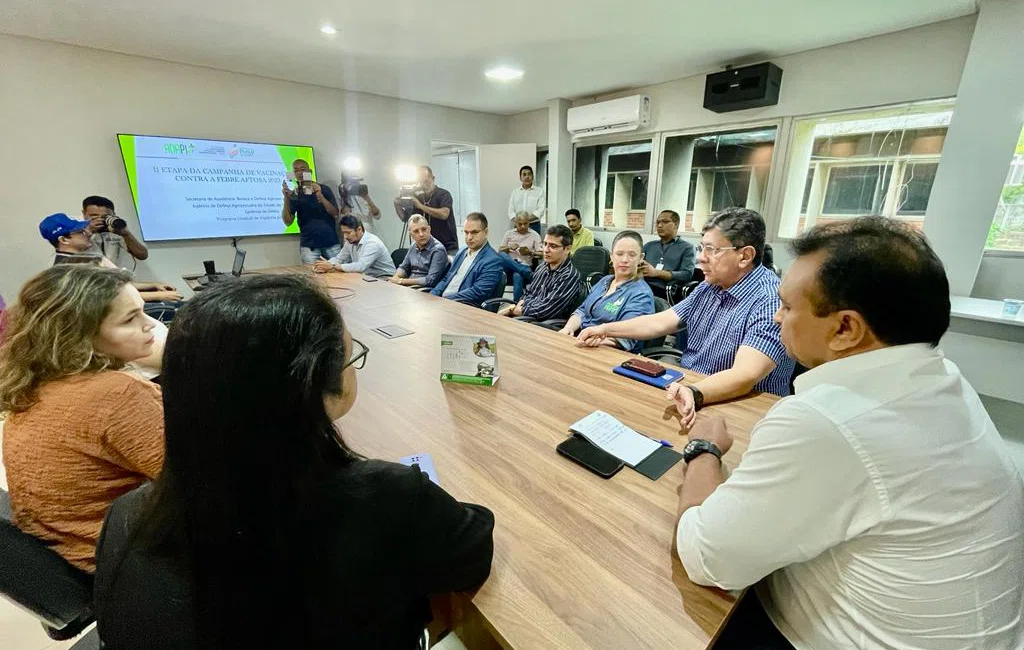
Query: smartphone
[
  {"x": 369, "y": 278},
  {"x": 593, "y": 458},
  {"x": 645, "y": 367}
]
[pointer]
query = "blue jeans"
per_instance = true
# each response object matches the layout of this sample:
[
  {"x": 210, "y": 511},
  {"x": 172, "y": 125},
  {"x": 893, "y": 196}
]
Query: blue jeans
[
  {"x": 310, "y": 255},
  {"x": 516, "y": 272}
]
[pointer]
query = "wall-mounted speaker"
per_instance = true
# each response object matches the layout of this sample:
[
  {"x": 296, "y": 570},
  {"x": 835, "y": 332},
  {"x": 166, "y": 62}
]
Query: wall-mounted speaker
[{"x": 737, "y": 89}]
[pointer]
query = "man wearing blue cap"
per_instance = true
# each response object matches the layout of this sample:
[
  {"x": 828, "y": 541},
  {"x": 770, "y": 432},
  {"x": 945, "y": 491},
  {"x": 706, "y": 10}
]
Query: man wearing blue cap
[{"x": 71, "y": 239}]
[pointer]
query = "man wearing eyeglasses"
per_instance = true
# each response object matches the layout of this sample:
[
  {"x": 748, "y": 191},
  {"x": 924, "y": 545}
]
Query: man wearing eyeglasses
[
  {"x": 670, "y": 259},
  {"x": 476, "y": 271},
  {"x": 731, "y": 333},
  {"x": 556, "y": 283}
]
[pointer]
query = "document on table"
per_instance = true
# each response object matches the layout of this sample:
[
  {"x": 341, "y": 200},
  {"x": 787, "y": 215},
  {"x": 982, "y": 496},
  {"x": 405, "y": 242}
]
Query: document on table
[{"x": 616, "y": 438}]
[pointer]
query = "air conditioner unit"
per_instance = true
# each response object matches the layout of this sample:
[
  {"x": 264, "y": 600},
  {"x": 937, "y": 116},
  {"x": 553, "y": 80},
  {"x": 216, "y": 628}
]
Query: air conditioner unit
[{"x": 613, "y": 116}]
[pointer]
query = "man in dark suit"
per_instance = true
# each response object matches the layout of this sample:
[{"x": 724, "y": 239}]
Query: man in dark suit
[{"x": 476, "y": 270}]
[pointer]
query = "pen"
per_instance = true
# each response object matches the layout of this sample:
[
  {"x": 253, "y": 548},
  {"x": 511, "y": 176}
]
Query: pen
[{"x": 665, "y": 443}]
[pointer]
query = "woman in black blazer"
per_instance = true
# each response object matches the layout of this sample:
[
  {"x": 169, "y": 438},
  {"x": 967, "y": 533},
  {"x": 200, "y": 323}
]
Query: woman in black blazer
[{"x": 264, "y": 529}]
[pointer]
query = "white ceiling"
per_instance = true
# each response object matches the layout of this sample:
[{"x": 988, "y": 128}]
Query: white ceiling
[{"x": 436, "y": 50}]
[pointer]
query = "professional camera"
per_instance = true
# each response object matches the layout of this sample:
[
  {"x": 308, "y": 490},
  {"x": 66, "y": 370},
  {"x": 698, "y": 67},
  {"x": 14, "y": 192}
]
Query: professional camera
[
  {"x": 114, "y": 223},
  {"x": 409, "y": 191},
  {"x": 352, "y": 185}
]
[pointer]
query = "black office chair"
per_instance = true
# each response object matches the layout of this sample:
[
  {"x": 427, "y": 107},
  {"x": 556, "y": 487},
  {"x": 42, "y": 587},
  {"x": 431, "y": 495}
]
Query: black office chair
[
  {"x": 398, "y": 256},
  {"x": 598, "y": 242},
  {"x": 590, "y": 260},
  {"x": 42, "y": 582}
]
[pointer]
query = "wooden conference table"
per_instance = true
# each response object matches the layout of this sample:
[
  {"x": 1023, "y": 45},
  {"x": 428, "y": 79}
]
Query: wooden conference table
[{"x": 579, "y": 561}]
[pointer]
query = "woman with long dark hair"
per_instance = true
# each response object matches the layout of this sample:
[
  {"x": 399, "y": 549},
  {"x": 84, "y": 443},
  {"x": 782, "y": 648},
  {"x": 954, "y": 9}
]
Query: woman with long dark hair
[{"x": 264, "y": 529}]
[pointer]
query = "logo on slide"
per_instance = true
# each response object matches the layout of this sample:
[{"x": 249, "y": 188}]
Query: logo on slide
[{"x": 179, "y": 148}]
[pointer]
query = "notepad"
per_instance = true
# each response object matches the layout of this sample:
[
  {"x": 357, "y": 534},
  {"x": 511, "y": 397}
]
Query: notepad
[{"x": 616, "y": 438}]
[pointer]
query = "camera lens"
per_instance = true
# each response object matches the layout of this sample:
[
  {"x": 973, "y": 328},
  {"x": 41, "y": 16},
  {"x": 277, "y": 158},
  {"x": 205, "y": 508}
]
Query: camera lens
[{"x": 115, "y": 222}]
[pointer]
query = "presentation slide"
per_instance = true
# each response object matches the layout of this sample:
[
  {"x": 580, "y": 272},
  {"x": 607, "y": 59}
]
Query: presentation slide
[{"x": 185, "y": 188}]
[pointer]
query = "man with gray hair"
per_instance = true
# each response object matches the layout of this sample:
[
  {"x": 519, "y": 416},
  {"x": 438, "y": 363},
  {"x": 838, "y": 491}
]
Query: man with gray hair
[
  {"x": 427, "y": 260},
  {"x": 519, "y": 247},
  {"x": 731, "y": 333}
]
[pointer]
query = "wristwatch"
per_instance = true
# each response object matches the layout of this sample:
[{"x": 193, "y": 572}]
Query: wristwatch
[
  {"x": 698, "y": 398},
  {"x": 696, "y": 448}
]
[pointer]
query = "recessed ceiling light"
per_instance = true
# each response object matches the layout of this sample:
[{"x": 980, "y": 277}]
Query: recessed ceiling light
[
  {"x": 329, "y": 30},
  {"x": 352, "y": 164},
  {"x": 504, "y": 73}
]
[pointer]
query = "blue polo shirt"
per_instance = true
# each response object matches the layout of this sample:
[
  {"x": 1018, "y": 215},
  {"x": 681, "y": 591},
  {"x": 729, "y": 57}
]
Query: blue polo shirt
[
  {"x": 317, "y": 228},
  {"x": 629, "y": 300},
  {"x": 719, "y": 321}
]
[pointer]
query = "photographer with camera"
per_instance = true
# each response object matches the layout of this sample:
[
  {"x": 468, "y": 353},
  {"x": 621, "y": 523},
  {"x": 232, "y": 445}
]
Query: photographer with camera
[
  {"x": 433, "y": 202},
  {"x": 354, "y": 198},
  {"x": 313, "y": 205},
  {"x": 108, "y": 233}
]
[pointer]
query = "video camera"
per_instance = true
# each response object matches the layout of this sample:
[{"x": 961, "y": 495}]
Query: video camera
[{"x": 352, "y": 185}]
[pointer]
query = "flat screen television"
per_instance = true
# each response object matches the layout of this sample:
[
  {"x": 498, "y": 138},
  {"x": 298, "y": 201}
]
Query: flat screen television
[{"x": 187, "y": 188}]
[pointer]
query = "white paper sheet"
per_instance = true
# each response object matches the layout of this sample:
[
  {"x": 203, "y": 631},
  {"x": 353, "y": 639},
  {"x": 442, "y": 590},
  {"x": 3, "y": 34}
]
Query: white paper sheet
[{"x": 615, "y": 438}]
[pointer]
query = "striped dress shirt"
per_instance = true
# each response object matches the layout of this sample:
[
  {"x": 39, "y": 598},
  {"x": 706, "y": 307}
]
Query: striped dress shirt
[
  {"x": 552, "y": 294},
  {"x": 719, "y": 321}
]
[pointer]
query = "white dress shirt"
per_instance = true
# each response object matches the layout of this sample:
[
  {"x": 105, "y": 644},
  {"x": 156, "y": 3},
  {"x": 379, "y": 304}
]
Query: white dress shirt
[
  {"x": 460, "y": 275},
  {"x": 882, "y": 506},
  {"x": 533, "y": 200}
]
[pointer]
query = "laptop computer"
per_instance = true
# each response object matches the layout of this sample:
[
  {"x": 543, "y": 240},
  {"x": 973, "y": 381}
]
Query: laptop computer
[{"x": 236, "y": 270}]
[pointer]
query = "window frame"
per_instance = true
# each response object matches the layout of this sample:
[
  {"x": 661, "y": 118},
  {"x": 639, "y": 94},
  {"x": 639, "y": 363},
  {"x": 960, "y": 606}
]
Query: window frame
[
  {"x": 653, "y": 173},
  {"x": 897, "y": 178},
  {"x": 768, "y": 211},
  {"x": 792, "y": 123}
]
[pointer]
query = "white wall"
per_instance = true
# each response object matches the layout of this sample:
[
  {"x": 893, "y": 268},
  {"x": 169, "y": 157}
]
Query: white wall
[
  {"x": 531, "y": 126},
  {"x": 920, "y": 63},
  {"x": 63, "y": 105}
]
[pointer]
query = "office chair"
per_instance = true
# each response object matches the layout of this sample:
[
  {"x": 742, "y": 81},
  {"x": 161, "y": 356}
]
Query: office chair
[
  {"x": 398, "y": 256},
  {"x": 42, "y": 582},
  {"x": 589, "y": 260},
  {"x": 598, "y": 243},
  {"x": 556, "y": 324}
]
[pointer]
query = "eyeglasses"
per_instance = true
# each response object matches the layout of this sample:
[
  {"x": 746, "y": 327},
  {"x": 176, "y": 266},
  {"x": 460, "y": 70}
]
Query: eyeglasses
[
  {"x": 553, "y": 246},
  {"x": 626, "y": 255},
  {"x": 712, "y": 251},
  {"x": 358, "y": 360}
]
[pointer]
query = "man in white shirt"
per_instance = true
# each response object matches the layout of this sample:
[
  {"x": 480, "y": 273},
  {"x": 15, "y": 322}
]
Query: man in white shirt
[
  {"x": 528, "y": 198},
  {"x": 878, "y": 506},
  {"x": 363, "y": 252}
]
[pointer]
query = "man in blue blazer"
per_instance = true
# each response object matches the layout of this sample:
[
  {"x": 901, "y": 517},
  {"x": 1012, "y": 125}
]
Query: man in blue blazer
[{"x": 476, "y": 270}]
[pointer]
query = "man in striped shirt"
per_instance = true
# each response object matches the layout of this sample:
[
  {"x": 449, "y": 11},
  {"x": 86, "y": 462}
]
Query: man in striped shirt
[
  {"x": 731, "y": 333},
  {"x": 556, "y": 283}
]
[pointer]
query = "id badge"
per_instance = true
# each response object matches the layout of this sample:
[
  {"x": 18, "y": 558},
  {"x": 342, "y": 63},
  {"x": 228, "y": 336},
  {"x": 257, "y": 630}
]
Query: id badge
[{"x": 660, "y": 266}]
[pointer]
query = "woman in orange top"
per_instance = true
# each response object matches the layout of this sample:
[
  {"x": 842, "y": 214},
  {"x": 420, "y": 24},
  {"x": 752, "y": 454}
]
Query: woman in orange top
[{"x": 79, "y": 432}]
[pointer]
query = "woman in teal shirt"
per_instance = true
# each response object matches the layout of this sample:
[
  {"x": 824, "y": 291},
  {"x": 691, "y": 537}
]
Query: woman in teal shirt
[{"x": 620, "y": 296}]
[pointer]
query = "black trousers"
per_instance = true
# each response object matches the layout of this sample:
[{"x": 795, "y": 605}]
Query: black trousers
[{"x": 749, "y": 628}]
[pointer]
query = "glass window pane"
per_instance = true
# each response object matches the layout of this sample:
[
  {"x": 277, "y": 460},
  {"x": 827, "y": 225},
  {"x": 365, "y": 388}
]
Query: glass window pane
[
  {"x": 603, "y": 183},
  {"x": 709, "y": 172},
  {"x": 842, "y": 165},
  {"x": 1007, "y": 231},
  {"x": 730, "y": 189},
  {"x": 855, "y": 190},
  {"x": 638, "y": 193},
  {"x": 916, "y": 188}
]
